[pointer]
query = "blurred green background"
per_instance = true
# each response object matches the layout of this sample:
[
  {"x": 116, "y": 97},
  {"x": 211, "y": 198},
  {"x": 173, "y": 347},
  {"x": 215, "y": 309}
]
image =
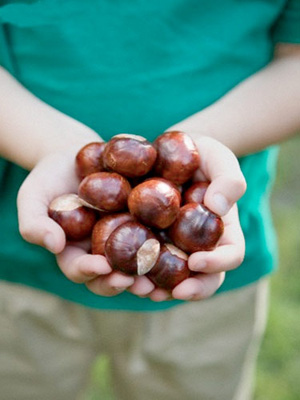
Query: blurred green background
[{"x": 278, "y": 370}]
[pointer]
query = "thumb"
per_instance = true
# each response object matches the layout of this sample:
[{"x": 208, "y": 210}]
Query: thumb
[
  {"x": 222, "y": 193},
  {"x": 44, "y": 232},
  {"x": 221, "y": 167},
  {"x": 34, "y": 224}
]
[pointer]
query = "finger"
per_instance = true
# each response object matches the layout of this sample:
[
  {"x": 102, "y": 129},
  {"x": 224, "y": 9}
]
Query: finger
[
  {"x": 229, "y": 253},
  {"x": 160, "y": 295},
  {"x": 42, "y": 231},
  {"x": 221, "y": 167},
  {"x": 199, "y": 287},
  {"x": 142, "y": 286},
  {"x": 111, "y": 285},
  {"x": 80, "y": 267},
  {"x": 34, "y": 196}
]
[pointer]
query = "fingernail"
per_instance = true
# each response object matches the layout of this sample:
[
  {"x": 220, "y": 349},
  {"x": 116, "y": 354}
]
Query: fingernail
[
  {"x": 221, "y": 204},
  {"x": 199, "y": 266},
  {"x": 49, "y": 242}
]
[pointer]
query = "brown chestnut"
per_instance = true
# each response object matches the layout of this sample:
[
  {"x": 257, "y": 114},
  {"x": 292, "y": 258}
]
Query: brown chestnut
[
  {"x": 177, "y": 157},
  {"x": 76, "y": 220},
  {"x": 162, "y": 235},
  {"x": 105, "y": 191},
  {"x": 89, "y": 159},
  {"x": 170, "y": 269},
  {"x": 155, "y": 203},
  {"x": 104, "y": 227},
  {"x": 129, "y": 155},
  {"x": 196, "y": 228},
  {"x": 132, "y": 248},
  {"x": 195, "y": 193}
]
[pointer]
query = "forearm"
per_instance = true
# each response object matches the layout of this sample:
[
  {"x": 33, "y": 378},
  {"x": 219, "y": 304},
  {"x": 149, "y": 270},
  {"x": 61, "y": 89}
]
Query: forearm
[
  {"x": 31, "y": 129},
  {"x": 261, "y": 111}
]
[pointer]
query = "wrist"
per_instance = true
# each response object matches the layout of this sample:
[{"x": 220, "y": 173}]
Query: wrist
[
  {"x": 40, "y": 128},
  {"x": 66, "y": 135}
]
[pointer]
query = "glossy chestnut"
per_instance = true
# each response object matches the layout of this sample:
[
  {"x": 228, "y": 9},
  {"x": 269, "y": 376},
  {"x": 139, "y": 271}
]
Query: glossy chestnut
[
  {"x": 104, "y": 227},
  {"x": 196, "y": 228},
  {"x": 195, "y": 193},
  {"x": 155, "y": 203},
  {"x": 177, "y": 157},
  {"x": 76, "y": 220},
  {"x": 132, "y": 249},
  {"x": 105, "y": 191},
  {"x": 129, "y": 155},
  {"x": 89, "y": 159},
  {"x": 170, "y": 269}
]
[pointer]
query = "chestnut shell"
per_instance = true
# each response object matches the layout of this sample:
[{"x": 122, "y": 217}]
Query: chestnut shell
[
  {"x": 89, "y": 159},
  {"x": 170, "y": 269},
  {"x": 195, "y": 193},
  {"x": 104, "y": 227},
  {"x": 155, "y": 203},
  {"x": 123, "y": 245},
  {"x": 196, "y": 228},
  {"x": 129, "y": 155},
  {"x": 177, "y": 157},
  {"x": 76, "y": 220},
  {"x": 105, "y": 191}
]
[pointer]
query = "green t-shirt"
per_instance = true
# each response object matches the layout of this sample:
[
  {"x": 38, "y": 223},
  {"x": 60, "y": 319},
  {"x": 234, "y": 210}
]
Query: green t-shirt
[{"x": 138, "y": 66}]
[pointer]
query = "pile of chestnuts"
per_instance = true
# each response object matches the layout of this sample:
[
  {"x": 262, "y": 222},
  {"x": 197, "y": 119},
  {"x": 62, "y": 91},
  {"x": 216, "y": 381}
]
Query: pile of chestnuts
[{"x": 139, "y": 205}]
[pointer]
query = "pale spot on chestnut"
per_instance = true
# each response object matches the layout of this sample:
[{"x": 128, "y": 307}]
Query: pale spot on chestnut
[
  {"x": 132, "y": 249},
  {"x": 76, "y": 220},
  {"x": 147, "y": 256}
]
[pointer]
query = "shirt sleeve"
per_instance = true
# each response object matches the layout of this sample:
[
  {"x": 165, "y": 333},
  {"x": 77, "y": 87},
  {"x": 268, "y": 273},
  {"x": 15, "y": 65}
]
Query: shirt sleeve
[{"x": 287, "y": 27}]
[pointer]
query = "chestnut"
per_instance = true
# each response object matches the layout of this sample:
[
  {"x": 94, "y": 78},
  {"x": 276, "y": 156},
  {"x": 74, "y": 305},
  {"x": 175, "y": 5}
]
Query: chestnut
[
  {"x": 89, "y": 159},
  {"x": 104, "y": 227},
  {"x": 162, "y": 235},
  {"x": 129, "y": 155},
  {"x": 196, "y": 228},
  {"x": 132, "y": 248},
  {"x": 170, "y": 269},
  {"x": 105, "y": 191},
  {"x": 177, "y": 157},
  {"x": 76, "y": 220},
  {"x": 195, "y": 193},
  {"x": 155, "y": 203}
]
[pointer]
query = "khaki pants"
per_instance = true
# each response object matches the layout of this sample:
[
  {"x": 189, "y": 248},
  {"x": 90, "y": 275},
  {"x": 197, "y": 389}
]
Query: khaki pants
[{"x": 197, "y": 351}]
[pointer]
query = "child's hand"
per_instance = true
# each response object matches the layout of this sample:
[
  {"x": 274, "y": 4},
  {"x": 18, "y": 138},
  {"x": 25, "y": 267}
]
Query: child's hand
[
  {"x": 220, "y": 166},
  {"x": 55, "y": 175},
  {"x": 51, "y": 177}
]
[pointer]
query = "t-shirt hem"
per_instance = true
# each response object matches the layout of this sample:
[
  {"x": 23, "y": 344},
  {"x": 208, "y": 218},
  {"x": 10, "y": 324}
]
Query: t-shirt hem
[{"x": 155, "y": 307}]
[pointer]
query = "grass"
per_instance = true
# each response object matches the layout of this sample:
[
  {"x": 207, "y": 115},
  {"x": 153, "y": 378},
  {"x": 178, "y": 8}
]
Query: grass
[{"x": 278, "y": 367}]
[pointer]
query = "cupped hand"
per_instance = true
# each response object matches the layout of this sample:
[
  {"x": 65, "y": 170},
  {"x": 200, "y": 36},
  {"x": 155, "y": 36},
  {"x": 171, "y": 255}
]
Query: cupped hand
[
  {"x": 219, "y": 166},
  {"x": 52, "y": 176},
  {"x": 55, "y": 175}
]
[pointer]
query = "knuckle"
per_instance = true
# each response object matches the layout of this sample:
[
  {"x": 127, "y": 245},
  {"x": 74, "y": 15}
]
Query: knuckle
[
  {"x": 25, "y": 231},
  {"x": 240, "y": 185},
  {"x": 238, "y": 260},
  {"x": 75, "y": 277}
]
